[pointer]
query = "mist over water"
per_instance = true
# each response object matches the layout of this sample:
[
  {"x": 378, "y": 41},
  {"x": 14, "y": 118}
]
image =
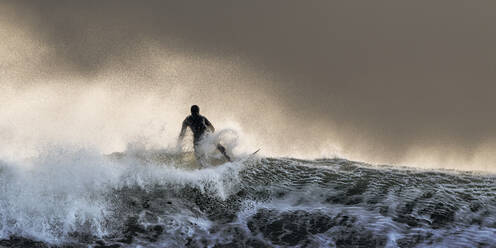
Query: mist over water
[
  {"x": 107, "y": 114},
  {"x": 326, "y": 79}
]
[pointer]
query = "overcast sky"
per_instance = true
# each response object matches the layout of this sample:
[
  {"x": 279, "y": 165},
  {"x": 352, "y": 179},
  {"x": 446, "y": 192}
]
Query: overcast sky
[{"x": 385, "y": 81}]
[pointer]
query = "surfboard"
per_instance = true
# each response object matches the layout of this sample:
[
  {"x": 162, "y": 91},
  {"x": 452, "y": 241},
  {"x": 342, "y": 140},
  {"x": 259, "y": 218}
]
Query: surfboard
[
  {"x": 255, "y": 152},
  {"x": 249, "y": 156}
]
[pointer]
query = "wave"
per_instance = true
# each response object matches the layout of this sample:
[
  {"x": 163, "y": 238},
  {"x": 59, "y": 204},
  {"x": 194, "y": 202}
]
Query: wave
[{"x": 153, "y": 198}]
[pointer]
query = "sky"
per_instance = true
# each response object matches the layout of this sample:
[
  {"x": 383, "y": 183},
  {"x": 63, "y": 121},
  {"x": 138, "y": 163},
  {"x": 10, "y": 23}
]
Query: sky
[{"x": 389, "y": 82}]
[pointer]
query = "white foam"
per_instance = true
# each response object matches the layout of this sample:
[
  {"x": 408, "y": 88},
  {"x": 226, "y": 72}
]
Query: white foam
[{"x": 64, "y": 190}]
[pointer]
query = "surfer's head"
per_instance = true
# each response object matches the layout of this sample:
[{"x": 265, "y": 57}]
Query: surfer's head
[{"x": 195, "y": 110}]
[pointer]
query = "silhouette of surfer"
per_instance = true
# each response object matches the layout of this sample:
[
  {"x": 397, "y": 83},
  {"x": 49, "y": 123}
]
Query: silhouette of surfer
[{"x": 199, "y": 124}]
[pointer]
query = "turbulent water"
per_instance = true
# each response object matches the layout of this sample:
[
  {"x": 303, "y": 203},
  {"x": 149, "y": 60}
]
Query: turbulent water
[{"x": 140, "y": 199}]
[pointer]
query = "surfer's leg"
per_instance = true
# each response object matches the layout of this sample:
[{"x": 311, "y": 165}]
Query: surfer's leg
[
  {"x": 222, "y": 150},
  {"x": 198, "y": 155}
]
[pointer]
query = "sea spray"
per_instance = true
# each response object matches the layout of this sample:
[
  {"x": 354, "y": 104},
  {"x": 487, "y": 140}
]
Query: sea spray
[{"x": 65, "y": 193}]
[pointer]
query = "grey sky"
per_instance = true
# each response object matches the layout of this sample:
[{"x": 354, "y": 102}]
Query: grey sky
[{"x": 383, "y": 74}]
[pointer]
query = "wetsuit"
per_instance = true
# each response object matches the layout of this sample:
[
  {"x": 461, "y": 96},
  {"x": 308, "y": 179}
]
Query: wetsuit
[{"x": 198, "y": 124}]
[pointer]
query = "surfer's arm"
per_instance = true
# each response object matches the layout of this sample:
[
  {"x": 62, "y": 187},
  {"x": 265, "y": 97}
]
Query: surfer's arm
[
  {"x": 209, "y": 125},
  {"x": 183, "y": 130}
]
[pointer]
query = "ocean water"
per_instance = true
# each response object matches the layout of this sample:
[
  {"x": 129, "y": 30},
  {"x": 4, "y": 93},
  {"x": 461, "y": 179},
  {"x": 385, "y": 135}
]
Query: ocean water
[{"x": 80, "y": 198}]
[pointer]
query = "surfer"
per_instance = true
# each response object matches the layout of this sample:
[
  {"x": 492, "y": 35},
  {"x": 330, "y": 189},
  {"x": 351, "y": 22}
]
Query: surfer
[{"x": 199, "y": 124}]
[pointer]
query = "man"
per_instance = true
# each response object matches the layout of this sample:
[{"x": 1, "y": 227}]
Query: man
[{"x": 199, "y": 124}]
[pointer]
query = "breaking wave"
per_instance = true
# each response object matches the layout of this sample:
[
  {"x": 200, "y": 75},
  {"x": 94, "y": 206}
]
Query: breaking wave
[{"x": 153, "y": 198}]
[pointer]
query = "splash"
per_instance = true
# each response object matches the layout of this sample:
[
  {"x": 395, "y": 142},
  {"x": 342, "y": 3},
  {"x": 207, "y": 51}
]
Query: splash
[{"x": 65, "y": 193}]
